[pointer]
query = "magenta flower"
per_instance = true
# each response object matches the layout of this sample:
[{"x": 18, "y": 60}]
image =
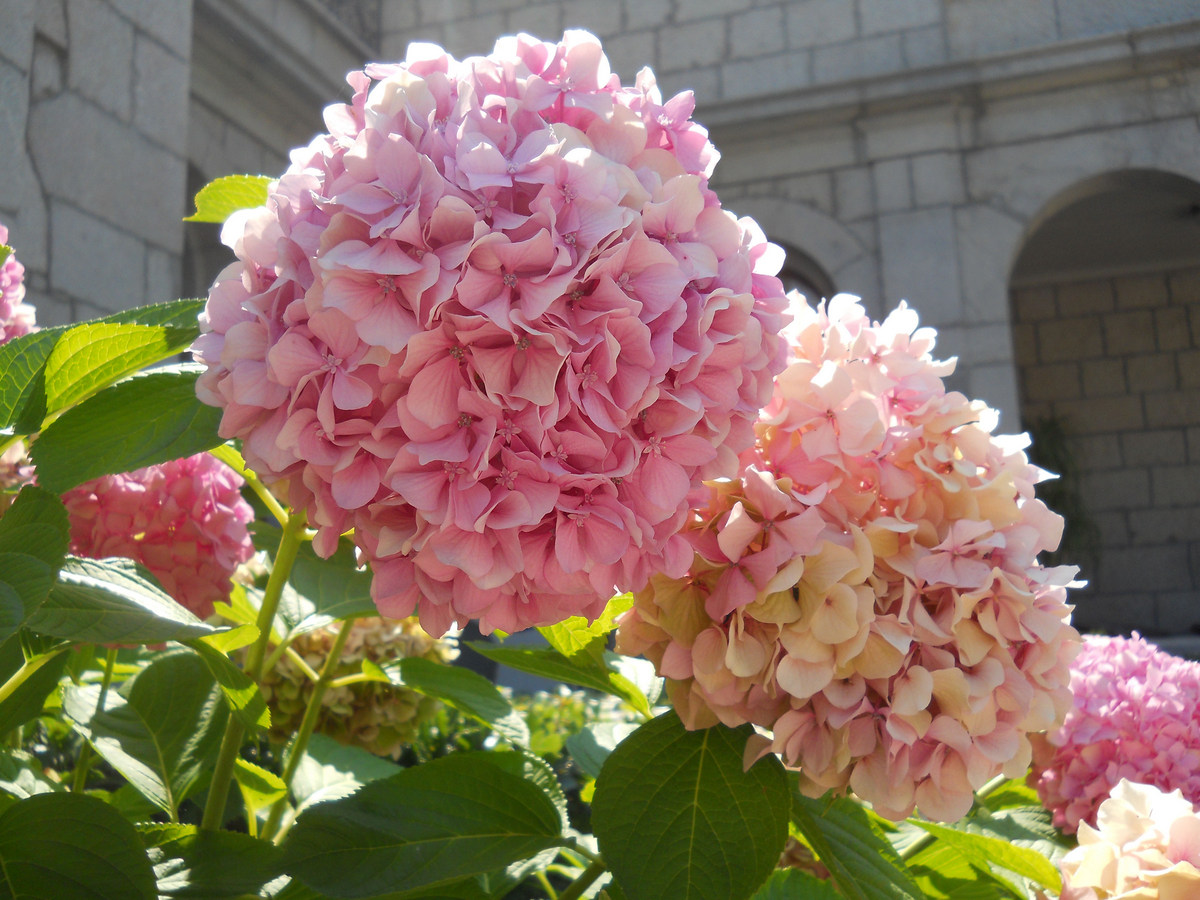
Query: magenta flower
[
  {"x": 497, "y": 323},
  {"x": 184, "y": 520},
  {"x": 1136, "y": 716},
  {"x": 16, "y": 316},
  {"x": 869, "y": 590}
]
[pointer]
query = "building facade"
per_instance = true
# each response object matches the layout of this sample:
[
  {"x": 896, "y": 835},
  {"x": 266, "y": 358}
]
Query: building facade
[{"x": 1024, "y": 172}]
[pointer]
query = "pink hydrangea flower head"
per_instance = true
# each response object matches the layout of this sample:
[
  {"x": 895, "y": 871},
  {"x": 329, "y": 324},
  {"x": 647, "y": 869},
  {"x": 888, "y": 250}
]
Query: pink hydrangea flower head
[
  {"x": 1145, "y": 846},
  {"x": 496, "y": 322},
  {"x": 16, "y": 316},
  {"x": 868, "y": 590},
  {"x": 184, "y": 520},
  {"x": 1136, "y": 716}
]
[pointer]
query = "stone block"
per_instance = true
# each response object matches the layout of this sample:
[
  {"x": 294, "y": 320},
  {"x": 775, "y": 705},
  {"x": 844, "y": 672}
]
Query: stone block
[
  {"x": 816, "y": 190},
  {"x": 1086, "y": 18},
  {"x": 476, "y": 35},
  {"x": 163, "y": 275},
  {"x": 981, "y": 27},
  {"x": 1193, "y": 443},
  {"x": 917, "y": 131},
  {"x": 93, "y": 261},
  {"x": 1176, "y": 486},
  {"x": 1103, "y": 377},
  {"x": 48, "y": 76},
  {"x": 937, "y": 179},
  {"x": 1096, "y": 415},
  {"x": 1113, "y": 528},
  {"x": 438, "y": 11},
  {"x": 997, "y": 386},
  {"x": 757, "y": 32},
  {"x": 1085, "y": 297},
  {"x": 1173, "y": 409},
  {"x": 757, "y": 160},
  {"x": 765, "y": 75},
  {"x": 1162, "y": 447},
  {"x": 1129, "y": 332},
  {"x": 602, "y": 19},
  {"x": 645, "y": 13},
  {"x": 402, "y": 16},
  {"x": 1035, "y": 304},
  {"x": 919, "y": 262},
  {"x": 1188, "y": 364},
  {"x": 1145, "y": 569},
  {"x": 101, "y": 56},
  {"x": 1152, "y": 373},
  {"x": 1163, "y": 526},
  {"x": 1179, "y": 612},
  {"x": 893, "y": 185},
  {"x": 52, "y": 21},
  {"x": 628, "y": 53},
  {"x": 686, "y": 10},
  {"x": 814, "y": 23},
  {"x": 858, "y": 59},
  {"x": 1096, "y": 451},
  {"x": 987, "y": 239},
  {"x": 1184, "y": 287},
  {"x": 160, "y": 94},
  {"x": 1140, "y": 291},
  {"x": 1066, "y": 339},
  {"x": 133, "y": 183},
  {"x": 169, "y": 22},
  {"x": 542, "y": 20},
  {"x": 923, "y": 48},
  {"x": 852, "y": 194},
  {"x": 16, "y": 34},
  {"x": 1123, "y": 489},
  {"x": 1055, "y": 382},
  {"x": 700, "y": 43},
  {"x": 888, "y": 15},
  {"x": 1113, "y": 613},
  {"x": 1025, "y": 351},
  {"x": 1171, "y": 326},
  {"x": 705, "y": 83}
]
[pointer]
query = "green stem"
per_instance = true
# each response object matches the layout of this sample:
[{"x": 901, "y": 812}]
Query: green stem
[
  {"x": 85, "y": 755},
  {"x": 231, "y": 744},
  {"x": 575, "y": 889},
  {"x": 311, "y": 713},
  {"x": 27, "y": 668},
  {"x": 926, "y": 839},
  {"x": 551, "y": 894},
  {"x": 233, "y": 459},
  {"x": 7, "y": 442}
]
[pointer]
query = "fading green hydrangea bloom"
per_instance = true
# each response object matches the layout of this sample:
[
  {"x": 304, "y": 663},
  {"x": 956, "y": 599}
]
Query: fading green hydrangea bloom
[{"x": 380, "y": 718}]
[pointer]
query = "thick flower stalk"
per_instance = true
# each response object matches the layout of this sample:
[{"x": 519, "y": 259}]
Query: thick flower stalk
[
  {"x": 1136, "y": 716},
  {"x": 497, "y": 323},
  {"x": 1145, "y": 846},
  {"x": 16, "y": 316},
  {"x": 868, "y": 590},
  {"x": 381, "y": 718},
  {"x": 184, "y": 520}
]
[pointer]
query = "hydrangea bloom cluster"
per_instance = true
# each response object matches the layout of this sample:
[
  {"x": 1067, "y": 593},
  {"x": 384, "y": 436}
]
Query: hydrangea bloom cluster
[
  {"x": 1145, "y": 846},
  {"x": 16, "y": 316},
  {"x": 1136, "y": 716},
  {"x": 868, "y": 589},
  {"x": 497, "y": 323},
  {"x": 381, "y": 718},
  {"x": 184, "y": 520}
]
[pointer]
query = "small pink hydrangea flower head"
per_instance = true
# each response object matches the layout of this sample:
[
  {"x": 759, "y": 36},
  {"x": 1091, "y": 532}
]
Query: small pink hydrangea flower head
[
  {"x": 868, "y": 589},
  {"x": 16, "y": 316},
  {"x": 1135, "y": 716},
  {"x": 1145, "y": 846},
  {"x": 497, "y": 323},
  {"x": 184, "y": 520}
]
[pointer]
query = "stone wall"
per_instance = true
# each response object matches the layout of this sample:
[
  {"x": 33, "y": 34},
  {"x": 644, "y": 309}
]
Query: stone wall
[{"x": 1117, "y": 362}]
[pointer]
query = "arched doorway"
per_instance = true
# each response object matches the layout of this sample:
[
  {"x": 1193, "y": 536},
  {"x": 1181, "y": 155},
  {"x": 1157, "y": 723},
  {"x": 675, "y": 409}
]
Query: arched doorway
[{"x": 1106, "y": 310}]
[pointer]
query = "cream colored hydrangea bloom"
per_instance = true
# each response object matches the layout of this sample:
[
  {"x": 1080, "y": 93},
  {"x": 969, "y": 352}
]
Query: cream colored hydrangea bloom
[{"x": 1145, "y": 846}]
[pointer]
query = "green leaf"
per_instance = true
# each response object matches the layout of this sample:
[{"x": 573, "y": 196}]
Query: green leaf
[
  {"x": 330, "y": 771},
  {"x": 96, "y": 354},
  {"x": 108, "y": 601},
  {"x": 468, "y": 692},
  {"x": 1015, "y": 792},
  {"x": 791, "y": 884},
  {"x": 677, "y": 816},
  {"x": 71, "y": 847},
  {"x": 5, "y": 253},
  {"x": 28, "y": 700},
  {"x": 209, "y": 865},
  {"x": 437, "y": 823},
  {"x": 21, "y": 775},
  {"x": 164, "y": 734},
  {"x": 581, "y": 670},
  {"x": 575, "y": 635},
  {"x": 942, "y": 873},
  {"x": 591, "y": 746},
  {"x": 220, "y": 199},
  {"x": 260, "y": 788},
  {"x": 862, "y": 862},
  {"x": 980, "y": 850},
  {"x": 321, "y": 590},
  {"x": 241, "y": 693},
  {"x": 23, "y": 362},
  {"x": 34, "y": 534},
  {"x": 144, "y": 420}
]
